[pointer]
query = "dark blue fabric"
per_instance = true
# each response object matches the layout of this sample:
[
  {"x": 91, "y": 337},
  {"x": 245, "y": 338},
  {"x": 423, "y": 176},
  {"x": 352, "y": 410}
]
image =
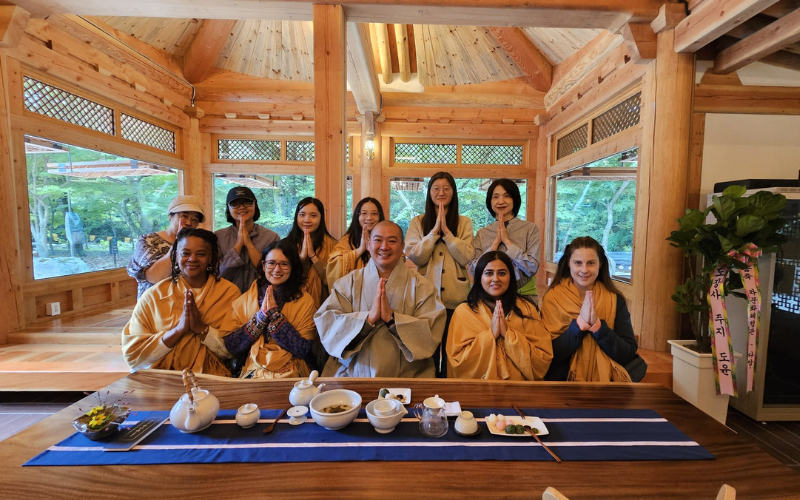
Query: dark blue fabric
[{"x": 312, "y": 443}]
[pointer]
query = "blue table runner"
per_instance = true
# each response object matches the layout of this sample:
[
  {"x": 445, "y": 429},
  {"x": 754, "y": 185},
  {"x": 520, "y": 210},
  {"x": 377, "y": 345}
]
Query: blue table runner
[{"x": 574, "y": 435}]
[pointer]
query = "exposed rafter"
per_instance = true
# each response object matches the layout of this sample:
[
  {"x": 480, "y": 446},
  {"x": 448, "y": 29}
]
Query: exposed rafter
[
  {"x": 526, "y": 56},
  {"x": 13, "y": 20},
  {"x": 382, "y": 33},
  {"x": 205, "y": 48},
  {"x": 713, "y": 19},
  {"x": 403, "y": 56},
  {"x": 768, "y": 40},
  {"x": 640, "y": 40},
  {"x": 361, "y": 69}
]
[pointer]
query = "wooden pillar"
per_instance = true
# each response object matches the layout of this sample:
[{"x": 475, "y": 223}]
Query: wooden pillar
[
  {"x": 662, "y": 191},
  {"x": 537, "y": 196},
  {"x": 330, "y": 86},
  {"x": 371, "y": 169},
  {"x": 193, "y": 175},
  {"x": 10, "y": 276}
]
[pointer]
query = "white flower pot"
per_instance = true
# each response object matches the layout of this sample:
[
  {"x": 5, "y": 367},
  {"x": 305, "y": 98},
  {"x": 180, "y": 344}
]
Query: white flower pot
[{"x": 693, "y": 379}]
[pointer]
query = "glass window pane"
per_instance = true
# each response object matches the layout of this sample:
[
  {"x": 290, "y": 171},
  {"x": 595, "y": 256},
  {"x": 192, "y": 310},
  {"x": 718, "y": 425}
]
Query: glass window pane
[
  {"x": 599, "y": 200},
  {"x": 407, "y": 199},
  {"x": 425, "y": 153},
  {"x": 87, "y": 208},
  {"x": 277, "y": 197}
]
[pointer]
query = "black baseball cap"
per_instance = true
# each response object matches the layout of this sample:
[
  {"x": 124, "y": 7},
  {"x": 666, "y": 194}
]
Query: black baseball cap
[{"x": 240, "y": 193}]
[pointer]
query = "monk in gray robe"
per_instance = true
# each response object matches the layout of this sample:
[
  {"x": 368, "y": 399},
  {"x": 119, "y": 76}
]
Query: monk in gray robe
[{"x": 383, "y": 320}]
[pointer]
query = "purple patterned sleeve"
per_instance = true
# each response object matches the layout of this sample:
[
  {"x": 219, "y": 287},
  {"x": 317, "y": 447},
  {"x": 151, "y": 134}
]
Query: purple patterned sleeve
[
  {"x": 287, "y": 337},
  {"x": 239, "y": 342}
]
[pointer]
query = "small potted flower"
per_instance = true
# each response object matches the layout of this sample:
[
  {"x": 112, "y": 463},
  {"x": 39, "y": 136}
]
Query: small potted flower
[{"x": 102, "y": 420}]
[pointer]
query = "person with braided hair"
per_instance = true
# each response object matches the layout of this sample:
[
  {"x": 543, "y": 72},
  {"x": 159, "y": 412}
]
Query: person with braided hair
[
  {"x": 175, "y": 323},
  {"x": 272, "y": 324}
]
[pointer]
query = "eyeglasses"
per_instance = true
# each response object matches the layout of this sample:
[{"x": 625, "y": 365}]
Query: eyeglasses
[
  {"x": 270, "y": 264},
  {"x": 241, "y": 203}
]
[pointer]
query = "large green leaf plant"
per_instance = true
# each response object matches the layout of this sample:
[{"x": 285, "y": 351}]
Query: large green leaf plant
[{"x": 740, "y": 220}]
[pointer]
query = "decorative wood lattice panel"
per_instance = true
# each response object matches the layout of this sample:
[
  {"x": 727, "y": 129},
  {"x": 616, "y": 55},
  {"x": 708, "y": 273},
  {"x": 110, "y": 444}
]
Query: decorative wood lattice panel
[
  {"x": 491, "y": 155},
  {"x": 622, "y": 116},
  {"x": 245, "y": 149},
  {"x": 573, "y": 142},
  {"x": 142, "y": 132},
  {"x": 300, "y": 151},
  {"x": 425, "y": 153},
  {"x": 56, "y": 103}
]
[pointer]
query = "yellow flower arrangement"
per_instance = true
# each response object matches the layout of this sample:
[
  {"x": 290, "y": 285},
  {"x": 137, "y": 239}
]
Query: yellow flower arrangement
[{"x": 102, "y": 420}]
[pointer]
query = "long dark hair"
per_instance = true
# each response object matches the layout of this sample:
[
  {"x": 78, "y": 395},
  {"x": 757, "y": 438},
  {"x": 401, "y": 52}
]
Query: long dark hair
[
  {"x": 355, "y": 229},
  {"x": 511, "y": 188},
  {"x": 295, "y": 236},
  {"x": 477, "y": 294},
  {"x": 432, "y": 211},
  {"x": 291, "y": 289},
  {"x": 603, "y": 275},
  {"x": 203, "y": 234}
]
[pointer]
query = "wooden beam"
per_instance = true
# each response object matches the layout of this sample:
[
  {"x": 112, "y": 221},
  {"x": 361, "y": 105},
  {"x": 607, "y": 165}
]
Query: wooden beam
[
  {"x": 754, "y": 25},
  {"x": 460, "y": 130},
  {"x": 361, "y": 69},
  {"x": 330, "y": 90},
  {"x": 641, "y": 42},
  {"x": 783, "y": 32},
  {"x": 382, "y": 33},
  {"x": 526, "y": 56},
  {"x": 205, "y": 48},
  {"x": 713, "y": 19},
  {"x": 575, "y": 67},
  {"x": 781, "y": 8},
  {"x": 13, "y": 20},
  {"x": 669, "y": 15},
  {"x": 486, "y": 115},
  {"x": 739, "y": 99},
  {"x": 605, "y": 14},
  {"x": 403, "y": 56},
  {"x": 711, "y": 78},
  {"x": 462, "y": 100}
]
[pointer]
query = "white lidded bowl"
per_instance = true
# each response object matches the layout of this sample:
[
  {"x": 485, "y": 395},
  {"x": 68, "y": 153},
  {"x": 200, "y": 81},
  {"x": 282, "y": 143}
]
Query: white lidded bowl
[
  {"x": 385, "y": 424},
  {"x": 335, "y": 421}
]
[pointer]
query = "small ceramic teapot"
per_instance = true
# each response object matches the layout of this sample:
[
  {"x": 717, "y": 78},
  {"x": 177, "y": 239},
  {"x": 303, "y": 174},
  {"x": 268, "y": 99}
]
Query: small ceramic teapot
[
  {"x": 304, "y": 390},
  {"x": 432, "y": 417},
  {"x": 196, "y": 409}
]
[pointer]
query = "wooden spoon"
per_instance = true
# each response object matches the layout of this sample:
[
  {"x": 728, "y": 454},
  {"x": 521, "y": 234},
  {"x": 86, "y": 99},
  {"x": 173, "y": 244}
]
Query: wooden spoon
[{"x": 271, "y": 426}]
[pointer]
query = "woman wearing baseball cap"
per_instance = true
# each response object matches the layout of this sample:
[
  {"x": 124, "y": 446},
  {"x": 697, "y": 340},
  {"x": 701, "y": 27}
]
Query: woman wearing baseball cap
[
  {"x": 150, "y": 260},
  {"x": 241, "y": 243}
]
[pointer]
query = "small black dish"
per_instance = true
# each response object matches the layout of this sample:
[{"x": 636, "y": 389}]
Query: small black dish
[{"x": 474, "y": 434}]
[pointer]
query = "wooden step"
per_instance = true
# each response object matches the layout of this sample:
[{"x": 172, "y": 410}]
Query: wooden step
[{"x": 79, "y": 336}]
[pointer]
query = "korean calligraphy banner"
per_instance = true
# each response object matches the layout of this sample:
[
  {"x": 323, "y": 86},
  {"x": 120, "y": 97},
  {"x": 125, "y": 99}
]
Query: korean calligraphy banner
[{"x": 750, "y": 256}]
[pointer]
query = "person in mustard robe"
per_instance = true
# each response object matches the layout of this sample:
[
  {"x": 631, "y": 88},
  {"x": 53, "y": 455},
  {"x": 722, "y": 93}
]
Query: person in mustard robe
[
  {"x": 352, "y": 251},
  {"x": 586, "y": 315},
  {"x": 314, "y": 244},
  {"x": 175, "y": 324},
  {"x": 272, "y": 324},
  {"x": 497, "y": 334}
]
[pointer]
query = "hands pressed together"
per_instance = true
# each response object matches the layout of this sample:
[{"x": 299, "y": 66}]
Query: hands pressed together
[
  {"x": 441, "y": 223},
  {"x": 307, "y": 249},
  {"x": 191, "y": 321},
  {"x": 380, "y": 305},
  {"x": 242, "y": 237},
  {"x": 499, "y": 325},
  {"x": 269, "y": 300},
  {"x": 588, "y": 313},
  {"x": 364, "y": 242},
  {"x": 501, "y": 236}
]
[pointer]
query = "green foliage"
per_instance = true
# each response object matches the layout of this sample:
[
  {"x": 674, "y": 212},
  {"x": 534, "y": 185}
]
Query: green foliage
[{"x": 739, "y": 222}]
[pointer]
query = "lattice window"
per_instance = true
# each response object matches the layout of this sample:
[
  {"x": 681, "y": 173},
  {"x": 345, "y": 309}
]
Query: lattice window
[
  {"x": 491, "y": 155},
  {"x": 300, "y": 151},
  {"x": 56, "y": 103},
  {"x": 573, "y": 142},
  {"x": 136, "y": 130},
  {"x": 245, "y": 149},
  {"x": 622, "y": 116},
  {"x": 425, "y": 153}
]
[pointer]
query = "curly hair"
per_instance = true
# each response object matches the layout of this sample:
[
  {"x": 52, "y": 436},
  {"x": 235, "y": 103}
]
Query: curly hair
[
  {"x": 203, "y": 234},
  {"x": 603, "y": 275},
  {"x": 291, "y": 289},
  {"x": 317, "y": 237},
  {"x": 509, "y": 298}
]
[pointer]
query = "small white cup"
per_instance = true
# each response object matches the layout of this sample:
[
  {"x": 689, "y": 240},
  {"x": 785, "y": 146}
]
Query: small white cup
[
  {"x": 385, "y": 407},
  {"x": 466, "y": 423},
  {"x": 248, "y": 415}
]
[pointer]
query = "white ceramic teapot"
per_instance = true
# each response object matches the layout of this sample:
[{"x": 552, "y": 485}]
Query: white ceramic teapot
[
  {"x": 196, "y": 409},
  {"x": 304, "y": 391}
]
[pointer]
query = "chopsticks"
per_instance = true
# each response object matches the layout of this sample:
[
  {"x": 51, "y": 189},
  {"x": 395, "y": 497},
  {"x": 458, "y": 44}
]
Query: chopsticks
[{"x": 532, "y": 433}]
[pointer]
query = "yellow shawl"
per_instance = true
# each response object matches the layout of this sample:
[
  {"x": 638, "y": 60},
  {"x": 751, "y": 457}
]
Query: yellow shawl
[
  {"x": 160, "y": 309},
  {"x": 562, "y": 304},
  {"x": 342, "y": 260},
  {"x": 472, "y": 351},
  {"x": 269, "y": 360},
  {"x": 317, "y": 282}
]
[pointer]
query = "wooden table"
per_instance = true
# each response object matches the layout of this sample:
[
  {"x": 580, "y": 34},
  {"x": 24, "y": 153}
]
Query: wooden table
[{"x": 740, "y": 464}]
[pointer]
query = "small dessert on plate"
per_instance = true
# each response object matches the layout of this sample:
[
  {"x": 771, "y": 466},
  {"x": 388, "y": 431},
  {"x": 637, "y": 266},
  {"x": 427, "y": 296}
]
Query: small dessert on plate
[{"x": 402, "y": 395}]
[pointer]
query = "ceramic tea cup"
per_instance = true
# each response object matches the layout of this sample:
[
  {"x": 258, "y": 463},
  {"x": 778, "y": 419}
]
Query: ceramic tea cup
[
  {"x": 385, "y": 407},
  {"x": 466, "y": 423}
]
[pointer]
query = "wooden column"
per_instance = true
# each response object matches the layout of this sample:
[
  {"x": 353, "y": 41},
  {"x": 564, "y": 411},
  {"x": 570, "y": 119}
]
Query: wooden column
[
  {"x": 662, "y": 192},
  {"x": 537, "y": 200},
  {"x": 10, "y": 276},
  {"x": 193, "y": 175},
  {"x": 371, "y": 169},
  {"x": 330, "y": 85}
]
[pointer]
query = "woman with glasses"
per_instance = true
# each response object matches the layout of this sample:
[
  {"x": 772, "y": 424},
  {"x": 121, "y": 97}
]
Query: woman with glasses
[
  {"x": 314, "y": 245},
  {"x": 150, "y": 260},
  {"x": 351, "y": 252},
  {"x": 439, "y": 242},
  {"x": 272, "y": 325},
  {"x": 241, "y": 243}
]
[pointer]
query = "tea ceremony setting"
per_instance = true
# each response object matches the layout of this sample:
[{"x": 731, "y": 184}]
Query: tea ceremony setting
[{"x": 417, "y": 248}]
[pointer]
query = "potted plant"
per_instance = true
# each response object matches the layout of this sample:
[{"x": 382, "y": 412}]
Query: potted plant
[{"x": 740, "y": 221}]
